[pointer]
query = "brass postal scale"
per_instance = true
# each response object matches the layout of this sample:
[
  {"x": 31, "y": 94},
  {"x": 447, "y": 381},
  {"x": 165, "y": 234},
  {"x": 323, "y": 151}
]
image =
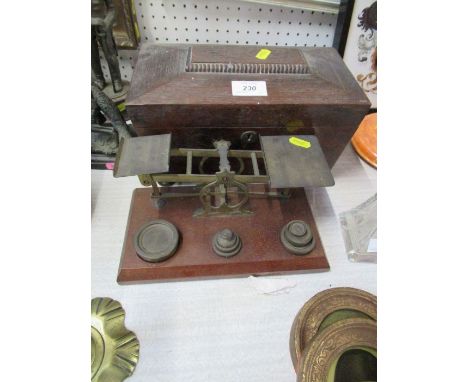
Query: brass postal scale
[{"x": 231, "y": 200}]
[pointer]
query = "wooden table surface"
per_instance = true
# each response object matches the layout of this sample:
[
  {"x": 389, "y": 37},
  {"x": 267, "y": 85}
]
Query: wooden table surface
[{"x": 223, "y": 330}]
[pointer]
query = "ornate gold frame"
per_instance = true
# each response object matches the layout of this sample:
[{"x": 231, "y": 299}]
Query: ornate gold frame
[
  {"x": 320, "y": 354},
  {"x": 312, "y": 317}
]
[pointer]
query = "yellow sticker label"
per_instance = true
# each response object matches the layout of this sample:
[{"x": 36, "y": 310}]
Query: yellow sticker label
[
  {"x": 121, "y": 106},
  {"x": 263, "y": 54},
  {"x": 299, "y": 142}
]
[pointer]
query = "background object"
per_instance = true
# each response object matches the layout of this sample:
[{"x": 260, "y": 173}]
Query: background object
[
  {"x": 364, "y": 139},
  {"x": 107, "y": 128},
  {"x": 114, "y": 349},
  {"x": 330, "y": 6},
  {"x": 225, "y": 22},
  {"x": 361, "y": 47},
  {"x": 342, "y": 25},
  {"x": 359, "y": 230},
  {"x": 102, "y": 21},
  {"x": 125, "y": 30},
  {"x": 271, "y": 285}
]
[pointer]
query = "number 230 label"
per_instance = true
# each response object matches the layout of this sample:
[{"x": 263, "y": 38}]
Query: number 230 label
[{"x": 249, "y": 88}]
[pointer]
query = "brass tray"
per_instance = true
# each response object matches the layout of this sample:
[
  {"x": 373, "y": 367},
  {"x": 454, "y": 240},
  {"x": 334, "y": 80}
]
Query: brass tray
[
  {"x": 324, "y": 309},
  {"x": 321, "y": 356},
  {"x": 114, "y": 349}
]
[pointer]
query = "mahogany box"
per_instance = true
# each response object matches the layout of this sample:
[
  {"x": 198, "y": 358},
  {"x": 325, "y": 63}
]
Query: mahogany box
[{"x": 187, "y": 90}]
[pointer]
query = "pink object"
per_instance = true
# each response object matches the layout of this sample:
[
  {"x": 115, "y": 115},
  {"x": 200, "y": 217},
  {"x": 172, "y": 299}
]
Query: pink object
[{"x": 110, "y": 166}]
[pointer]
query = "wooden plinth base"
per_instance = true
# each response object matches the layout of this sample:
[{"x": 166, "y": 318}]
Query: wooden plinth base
[{"x": 261, "y": 253}]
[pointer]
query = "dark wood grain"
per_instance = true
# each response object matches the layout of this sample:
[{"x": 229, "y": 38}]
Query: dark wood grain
[
  {"x": 262, "y": 251},
  {"x": 156, "y": 65}
]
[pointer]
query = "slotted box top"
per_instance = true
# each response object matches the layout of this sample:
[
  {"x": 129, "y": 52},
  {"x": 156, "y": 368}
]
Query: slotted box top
[
  {"x": 244, "y": 55},
  {"x": 202, "y": 75}
]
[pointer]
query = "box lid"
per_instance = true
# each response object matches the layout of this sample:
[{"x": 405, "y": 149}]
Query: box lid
[{"x": 203, "y": 75}]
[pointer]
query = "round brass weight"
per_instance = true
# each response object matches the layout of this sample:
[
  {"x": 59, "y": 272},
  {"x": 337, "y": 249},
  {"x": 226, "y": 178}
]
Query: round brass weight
[
  {"x": 323, "y": 310},
  {"x": 297, "y": 237},
  {"x": 156, "y": 241},
  {"x": 226, "y": 243}
]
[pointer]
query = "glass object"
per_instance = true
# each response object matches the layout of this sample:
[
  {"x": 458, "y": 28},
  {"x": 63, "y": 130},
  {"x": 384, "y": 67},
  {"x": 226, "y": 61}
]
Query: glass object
[{"x": 359, "y": 230}]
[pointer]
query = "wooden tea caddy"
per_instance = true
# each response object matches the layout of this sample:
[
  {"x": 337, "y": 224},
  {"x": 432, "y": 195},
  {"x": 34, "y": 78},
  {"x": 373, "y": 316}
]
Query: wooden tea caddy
[{"x": 186, "y": 90}]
